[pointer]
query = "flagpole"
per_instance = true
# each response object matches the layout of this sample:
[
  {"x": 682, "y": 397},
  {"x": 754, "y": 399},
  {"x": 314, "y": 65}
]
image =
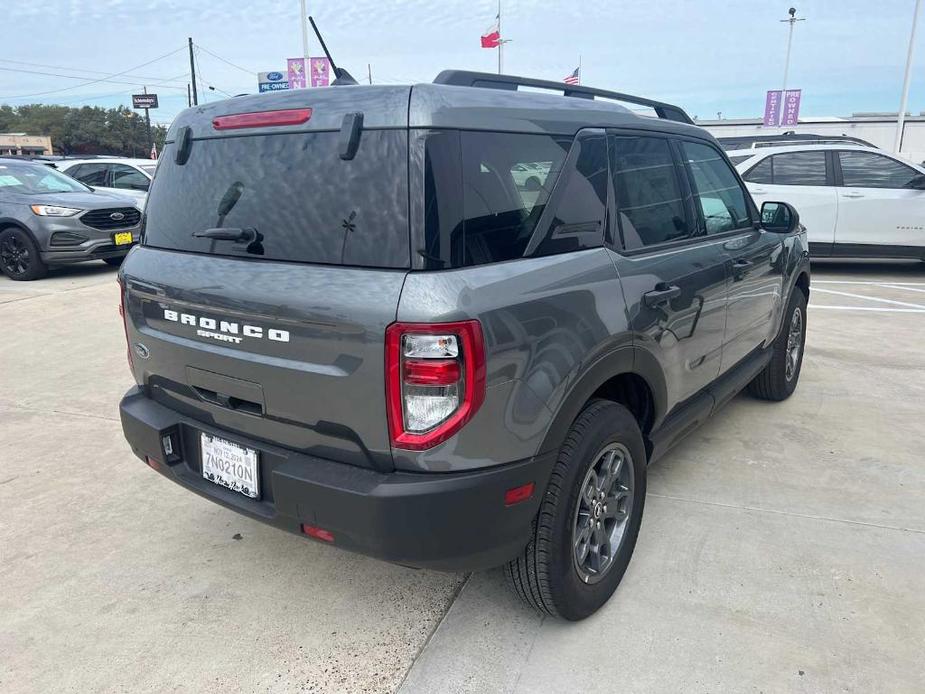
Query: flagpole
[
  {"x": 579, "y": 69},
  {"x": 500, "y": 37}
]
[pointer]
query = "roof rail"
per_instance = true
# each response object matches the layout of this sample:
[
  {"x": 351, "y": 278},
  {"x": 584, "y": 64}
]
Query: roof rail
[{"x": 466, "y": 78}]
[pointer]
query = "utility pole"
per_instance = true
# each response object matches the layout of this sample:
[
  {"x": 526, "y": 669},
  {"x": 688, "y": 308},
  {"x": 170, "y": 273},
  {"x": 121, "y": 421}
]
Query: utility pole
[
  {"x": 148, "y": 123},
  {"x": 192, "y": 69},
  {"x": 304, "y": 30},
  {"x": 189, "y": 99},
  {"x": 500, "y": 37},
  {"x": 783, "y": 90},
  {"x": 369, "y": 71},
  {"x": 901, "y": 120}
]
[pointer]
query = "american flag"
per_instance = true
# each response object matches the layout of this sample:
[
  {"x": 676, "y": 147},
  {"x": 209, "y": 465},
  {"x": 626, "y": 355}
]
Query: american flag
[{"x": 574, "y": 78}]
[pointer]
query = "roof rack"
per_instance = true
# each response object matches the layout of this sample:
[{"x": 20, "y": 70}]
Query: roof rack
[{"x": 466, "y": 78}]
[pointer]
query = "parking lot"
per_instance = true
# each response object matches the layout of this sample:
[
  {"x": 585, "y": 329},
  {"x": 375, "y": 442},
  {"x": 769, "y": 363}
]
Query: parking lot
[{"x": 782, "y": 549}]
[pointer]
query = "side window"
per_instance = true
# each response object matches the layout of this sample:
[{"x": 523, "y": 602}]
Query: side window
[
  {"x": 126, "y": 177},
  {"x": 760, "y": 172},
  {"x": 799, "y": 169},
  {"x": 91, "y": 174},
  {"x": 718, "y": 191},
  {"x": 649, "y": 198},
  {"x": 575, "y": 216},
  {"x": 868, "y": 170}
]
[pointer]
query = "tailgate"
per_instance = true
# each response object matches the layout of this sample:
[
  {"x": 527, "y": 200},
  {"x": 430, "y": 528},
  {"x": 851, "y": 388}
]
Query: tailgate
[{"x": 285, "y": 352}]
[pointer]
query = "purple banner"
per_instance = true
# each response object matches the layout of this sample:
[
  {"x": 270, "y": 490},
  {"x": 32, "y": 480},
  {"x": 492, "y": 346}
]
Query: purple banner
[
  {"x": 791, "y": 107},
  {"x": 320, "y": 71},
  {"x": 296, "y": 69},
  {"x": 772, "y": 108}
]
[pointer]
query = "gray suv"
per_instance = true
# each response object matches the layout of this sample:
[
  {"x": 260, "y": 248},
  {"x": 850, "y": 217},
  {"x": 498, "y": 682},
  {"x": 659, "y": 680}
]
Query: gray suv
[
  {"x": 47, "y": 218},
  {"x": 352, "y": 316}
]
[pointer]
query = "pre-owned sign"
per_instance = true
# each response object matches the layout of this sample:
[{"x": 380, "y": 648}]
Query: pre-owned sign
[
  {"x": 272, "y": 81},
  {"x": 144, "y": 100}
]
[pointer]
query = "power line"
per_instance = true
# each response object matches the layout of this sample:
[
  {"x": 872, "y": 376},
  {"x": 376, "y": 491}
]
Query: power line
[
  {"x": 200, "y": 73},
  {"x": 95, "y": 81},
  {"x": 215, "y": 55},
  {"x": 76, "y": 77},
  {"x": 81, "y": 69}
]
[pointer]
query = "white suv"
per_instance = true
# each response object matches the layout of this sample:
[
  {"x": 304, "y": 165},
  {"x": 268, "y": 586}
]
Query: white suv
[
  {"x": 127, "y": 177},
  {"x": 854, "y": 201}
]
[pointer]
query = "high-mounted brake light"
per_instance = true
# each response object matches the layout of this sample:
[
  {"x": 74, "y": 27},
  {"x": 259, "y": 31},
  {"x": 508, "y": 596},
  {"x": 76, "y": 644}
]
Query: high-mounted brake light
[
  {"x": 257, "y": 119},
  {"x": 435, "y": 380}
]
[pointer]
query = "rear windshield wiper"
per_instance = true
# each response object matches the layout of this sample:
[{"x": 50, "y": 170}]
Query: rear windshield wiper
[{"x": 226, "y": 234}]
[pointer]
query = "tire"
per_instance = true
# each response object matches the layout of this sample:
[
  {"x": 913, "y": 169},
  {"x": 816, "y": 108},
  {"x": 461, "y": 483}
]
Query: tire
[
  {"x": 19, "y": 256},
  {"x": 548, "y": 575},
  {"x": 779, "y": 378},
  {"x": 114, "y": 262}
]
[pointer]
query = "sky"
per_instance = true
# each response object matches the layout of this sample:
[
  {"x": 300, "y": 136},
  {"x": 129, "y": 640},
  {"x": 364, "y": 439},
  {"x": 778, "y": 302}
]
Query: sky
[{"x": 707, "y": 56}]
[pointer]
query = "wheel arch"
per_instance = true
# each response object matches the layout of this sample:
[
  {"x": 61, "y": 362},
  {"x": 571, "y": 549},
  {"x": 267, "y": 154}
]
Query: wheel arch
[{"x": 629, "y": 376}]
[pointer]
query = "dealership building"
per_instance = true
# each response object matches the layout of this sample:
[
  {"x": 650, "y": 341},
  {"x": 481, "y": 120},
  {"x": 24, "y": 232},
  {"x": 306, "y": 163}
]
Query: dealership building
[
  {"x": 20, "y": 143},
  {"x": 878, "y": 129}
]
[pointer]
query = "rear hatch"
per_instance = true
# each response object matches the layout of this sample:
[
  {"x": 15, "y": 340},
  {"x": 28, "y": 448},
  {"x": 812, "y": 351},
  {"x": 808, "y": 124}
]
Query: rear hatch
[{"x": 272, "y": 325}]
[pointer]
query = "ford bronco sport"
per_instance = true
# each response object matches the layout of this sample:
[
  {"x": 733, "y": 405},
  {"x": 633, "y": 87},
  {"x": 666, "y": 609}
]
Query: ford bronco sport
[{"x": 448, "y": 325}]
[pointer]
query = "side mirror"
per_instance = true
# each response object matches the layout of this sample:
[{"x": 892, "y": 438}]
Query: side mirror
[
  {"x": 779, "y": 217},
  {"x": 917, "y": 183}
]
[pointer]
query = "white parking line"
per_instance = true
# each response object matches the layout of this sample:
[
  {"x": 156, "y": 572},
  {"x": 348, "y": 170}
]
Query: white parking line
[
  {"x": 871, "y": 298},
  {"x": 899, "y": 286},
  {"x": 876, "y": 284},
  {"x": 877, "y": 309}
]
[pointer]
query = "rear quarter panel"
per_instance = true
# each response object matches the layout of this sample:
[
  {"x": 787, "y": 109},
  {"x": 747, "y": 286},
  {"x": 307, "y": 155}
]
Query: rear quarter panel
[{"x": 544, "y": 320}]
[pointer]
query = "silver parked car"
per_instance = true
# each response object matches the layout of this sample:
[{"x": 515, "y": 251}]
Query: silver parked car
[{"x": 47, "y": 218}]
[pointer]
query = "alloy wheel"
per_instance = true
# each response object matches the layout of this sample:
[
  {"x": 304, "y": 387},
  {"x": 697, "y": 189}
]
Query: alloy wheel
[
  {"x": 794, "y": 344},
  {"x": 603, "y": 512},
  {"x": 14, "y": 255}
]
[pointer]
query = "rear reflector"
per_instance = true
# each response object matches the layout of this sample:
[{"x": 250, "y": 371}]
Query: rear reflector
[
  {"x": 518, "y": 494},
  {"x": 292, "y": 116},
  {"x": 318, "y": 533},
  {"x": 152, "y": 463}
]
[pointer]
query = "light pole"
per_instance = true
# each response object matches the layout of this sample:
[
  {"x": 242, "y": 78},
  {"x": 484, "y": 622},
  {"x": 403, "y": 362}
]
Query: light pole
[
  {"x": 792, "y": 19},
  {"x": 901, "y": 120},
  {"x": 304, "y": 30}
]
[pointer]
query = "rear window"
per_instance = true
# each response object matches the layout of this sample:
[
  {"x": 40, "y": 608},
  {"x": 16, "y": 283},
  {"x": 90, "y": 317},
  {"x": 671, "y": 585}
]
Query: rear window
[{"x": 291, "y": 194}]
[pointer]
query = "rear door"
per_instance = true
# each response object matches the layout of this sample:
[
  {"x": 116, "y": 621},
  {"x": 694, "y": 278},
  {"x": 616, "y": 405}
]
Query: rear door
[
  {"x": 805, "y": 180},
  {"x": 756, "y": 270},
  {"x": 273, "y": 326},
  {"x": 878, "y": 211},
  {"x": 674, "y": 278}
]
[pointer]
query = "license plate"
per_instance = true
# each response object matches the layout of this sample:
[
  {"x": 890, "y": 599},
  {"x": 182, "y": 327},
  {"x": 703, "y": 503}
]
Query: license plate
[
  {"x": 122, "y": 238},
  {"x": 230, "y": 465}
]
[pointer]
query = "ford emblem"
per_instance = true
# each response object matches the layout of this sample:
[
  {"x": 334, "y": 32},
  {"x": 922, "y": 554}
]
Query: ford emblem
[
  {"x": 117, "y": 216},
  {"x": 274, "y": 76},
  {"x": 142, "y": 351}
]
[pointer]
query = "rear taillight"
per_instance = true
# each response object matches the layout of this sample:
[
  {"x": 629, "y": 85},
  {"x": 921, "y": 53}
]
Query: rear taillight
[
  {"x": 435, "y": 380},
  {"x": 259, "y": 119},
  {"x": 122, "y": 312}
]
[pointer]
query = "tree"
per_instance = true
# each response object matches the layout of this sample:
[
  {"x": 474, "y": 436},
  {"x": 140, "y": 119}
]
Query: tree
[{"x": 84, "y": 130}]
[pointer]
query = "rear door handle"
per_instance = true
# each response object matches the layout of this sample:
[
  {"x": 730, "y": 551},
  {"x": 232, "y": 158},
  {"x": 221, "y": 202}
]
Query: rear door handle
[
  {"x": 662, "y": 294},
  {"x": 742, "y": 263},
  {"x": 852, "y": 194}
]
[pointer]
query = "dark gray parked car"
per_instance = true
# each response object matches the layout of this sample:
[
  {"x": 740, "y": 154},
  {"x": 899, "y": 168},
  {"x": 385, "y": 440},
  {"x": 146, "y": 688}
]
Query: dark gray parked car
[
  {"x": 47, "y": 218},
  {"x": 352, "y": 318}
]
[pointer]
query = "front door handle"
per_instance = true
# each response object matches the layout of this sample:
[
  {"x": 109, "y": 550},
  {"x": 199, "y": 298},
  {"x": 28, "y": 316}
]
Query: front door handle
[
  {"x": 758, "y": 191},
  {"x": 852, "y": 194},
  {"x": 742, "y": 263},
  {"x": 662, "y": 294}
]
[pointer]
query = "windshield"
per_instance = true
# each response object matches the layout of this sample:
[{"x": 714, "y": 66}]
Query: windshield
[{"x": 35, "y": 179}]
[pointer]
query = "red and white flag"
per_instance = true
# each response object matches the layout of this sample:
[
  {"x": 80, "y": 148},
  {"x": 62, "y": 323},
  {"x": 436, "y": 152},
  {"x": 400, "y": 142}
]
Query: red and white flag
[
  {"x": 492, "y": 37},
  {"x": 574, "y": 78},
  {"x": 154, "y": 151}
]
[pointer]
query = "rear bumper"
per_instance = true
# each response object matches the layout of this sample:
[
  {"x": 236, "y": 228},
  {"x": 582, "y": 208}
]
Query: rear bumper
[{"x": 454, "y": 522}]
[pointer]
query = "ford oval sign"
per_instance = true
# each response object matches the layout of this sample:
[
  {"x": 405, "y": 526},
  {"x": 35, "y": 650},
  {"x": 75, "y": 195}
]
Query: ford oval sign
[{"x": 274, "y": 76}]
